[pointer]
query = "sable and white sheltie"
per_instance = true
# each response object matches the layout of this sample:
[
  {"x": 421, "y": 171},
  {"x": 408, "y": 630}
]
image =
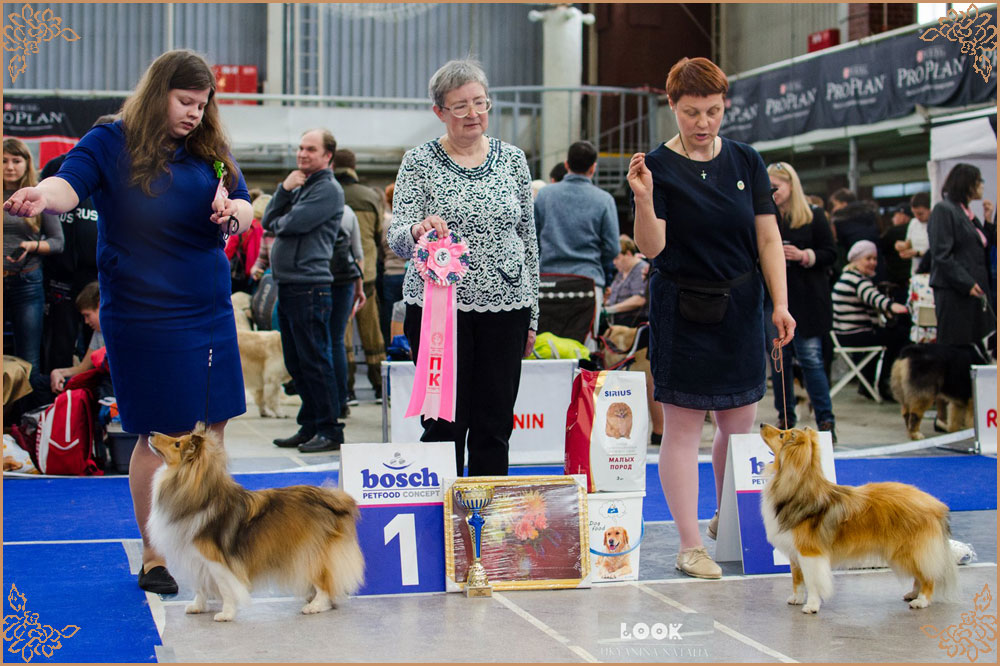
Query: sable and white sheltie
[
  {"x": 818, "y": 524},
  {"x": 226, "y": 538}
]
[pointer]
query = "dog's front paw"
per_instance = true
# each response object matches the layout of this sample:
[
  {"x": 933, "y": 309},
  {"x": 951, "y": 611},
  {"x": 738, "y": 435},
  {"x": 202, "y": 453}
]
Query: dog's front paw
[
  {"x": 916, "y": 435},
  {"x": 797, "y": 599},
  {"x": 313, "y": 607},
  {"x": 911, "y": 595},
  {"x": 811, "y": 607},
  {"x": 920, "y": 602},
  {"x": 194, "y": 608},
  {"x": 224, "y": 616}
]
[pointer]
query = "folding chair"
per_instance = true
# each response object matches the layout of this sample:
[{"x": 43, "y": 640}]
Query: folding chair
[
  {"x": 566, "y": 305},
  {"x": 872, "y": 353}
]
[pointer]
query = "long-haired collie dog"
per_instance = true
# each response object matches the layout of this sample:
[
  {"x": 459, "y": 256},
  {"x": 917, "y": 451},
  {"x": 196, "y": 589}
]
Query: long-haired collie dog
[
  {"x": 818, "y": 524},
  {"x": 226, "y": 537}
]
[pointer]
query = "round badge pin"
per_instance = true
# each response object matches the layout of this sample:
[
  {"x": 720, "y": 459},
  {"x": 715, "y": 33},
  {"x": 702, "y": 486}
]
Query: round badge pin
[{"x": 740, "y": 185}]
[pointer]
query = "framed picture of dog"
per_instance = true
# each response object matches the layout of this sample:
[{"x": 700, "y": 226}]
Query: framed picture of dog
[{"x": 535, "y": 535}]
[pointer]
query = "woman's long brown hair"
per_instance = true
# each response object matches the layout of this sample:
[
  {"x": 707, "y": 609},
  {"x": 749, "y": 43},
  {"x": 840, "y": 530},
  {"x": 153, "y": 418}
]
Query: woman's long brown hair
[
  {"x": 144, "y": 116},
  {"x": 13, "y": 146}
]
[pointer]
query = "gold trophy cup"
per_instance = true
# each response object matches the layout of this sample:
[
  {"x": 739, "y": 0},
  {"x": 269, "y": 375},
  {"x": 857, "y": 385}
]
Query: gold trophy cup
[{"x": 475, "y": 499}]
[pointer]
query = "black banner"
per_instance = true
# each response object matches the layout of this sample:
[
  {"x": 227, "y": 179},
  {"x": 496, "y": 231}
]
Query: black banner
[
  {"x": 869, "y": 83},
  {"x": 52, "y": 125},
  {"x": 32, "y": 117}
]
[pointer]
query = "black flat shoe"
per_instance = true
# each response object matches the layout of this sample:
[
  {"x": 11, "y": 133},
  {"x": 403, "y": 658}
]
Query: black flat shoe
[
  {"x": 293, "y": 441},
  {"x": 157, "y": 580},
  {"x": 320, "y": 443}
]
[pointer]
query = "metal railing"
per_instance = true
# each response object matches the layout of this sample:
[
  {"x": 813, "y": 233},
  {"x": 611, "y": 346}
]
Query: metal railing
[{"x": 618, "y": 121}]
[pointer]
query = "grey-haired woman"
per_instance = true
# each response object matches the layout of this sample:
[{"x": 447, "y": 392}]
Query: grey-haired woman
[{"x": 480, "y": 187}]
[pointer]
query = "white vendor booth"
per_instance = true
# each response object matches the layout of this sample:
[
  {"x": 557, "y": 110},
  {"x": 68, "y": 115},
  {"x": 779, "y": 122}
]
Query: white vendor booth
[{"x": 539, "y": 434}]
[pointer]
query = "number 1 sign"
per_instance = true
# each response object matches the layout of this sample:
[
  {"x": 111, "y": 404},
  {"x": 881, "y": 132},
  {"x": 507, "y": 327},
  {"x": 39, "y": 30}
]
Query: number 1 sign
[{"x": 398, "y": 488}]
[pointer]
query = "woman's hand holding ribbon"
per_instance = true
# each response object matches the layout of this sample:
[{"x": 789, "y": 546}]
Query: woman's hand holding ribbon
[
  {"x": 224, "y": 208},
  {"x": 428, "y": 223}
]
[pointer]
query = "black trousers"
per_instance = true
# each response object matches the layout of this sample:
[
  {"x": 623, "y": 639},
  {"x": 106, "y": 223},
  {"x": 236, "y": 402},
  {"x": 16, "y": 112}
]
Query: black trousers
[{"x": 490, "y": 348}]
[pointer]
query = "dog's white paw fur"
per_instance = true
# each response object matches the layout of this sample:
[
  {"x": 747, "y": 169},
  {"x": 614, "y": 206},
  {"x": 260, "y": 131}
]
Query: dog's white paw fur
[
  {"x": 916, "y": 436},
  {"x": 319, "y": 603},
  {"x": 197, "y": 604},
  {"x": 224, "y": 616},
  {"x": 920, "y": 602},
  {"x": 811, "y": 607},
  {"x": 797, "y": 599}
]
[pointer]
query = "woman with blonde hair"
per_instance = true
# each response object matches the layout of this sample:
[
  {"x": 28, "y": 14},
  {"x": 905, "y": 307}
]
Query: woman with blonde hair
[
  {"x": 164, "y": 280},
  {"x": 810, "y": 252},
  {"x": 25, "y": 240}
]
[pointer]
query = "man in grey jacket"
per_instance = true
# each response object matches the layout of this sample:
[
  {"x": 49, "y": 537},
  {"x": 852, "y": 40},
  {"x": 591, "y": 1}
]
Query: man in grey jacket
[{"x": 305, "y": 215}]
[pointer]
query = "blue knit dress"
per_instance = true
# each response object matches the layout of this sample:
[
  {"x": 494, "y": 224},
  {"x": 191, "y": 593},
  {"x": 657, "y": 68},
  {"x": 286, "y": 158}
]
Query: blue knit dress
[{"x": 165, "y": 287}]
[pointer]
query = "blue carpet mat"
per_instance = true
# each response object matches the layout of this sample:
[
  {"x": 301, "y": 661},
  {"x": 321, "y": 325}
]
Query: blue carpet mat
[
  {"x": 61, "y": 586},
  {"x": 88, "y": 508}
]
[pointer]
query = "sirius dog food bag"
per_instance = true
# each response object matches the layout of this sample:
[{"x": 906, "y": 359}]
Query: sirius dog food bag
[
  {"x": 607, "y": 427},
  {"x": 615, "y": 534}
]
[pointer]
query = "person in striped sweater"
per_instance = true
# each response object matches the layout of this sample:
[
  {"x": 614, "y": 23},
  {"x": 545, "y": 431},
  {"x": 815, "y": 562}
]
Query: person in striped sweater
[{"x": 857, "y": 306}]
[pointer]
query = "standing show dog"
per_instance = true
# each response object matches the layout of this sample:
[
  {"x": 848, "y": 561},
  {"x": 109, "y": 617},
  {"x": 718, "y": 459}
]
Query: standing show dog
[
  {"x": 931, "y": 373},
  {"x": 262, "y": 359},
  {"x": 819, "y": 525},
  {"x": 226, "y": 538}
]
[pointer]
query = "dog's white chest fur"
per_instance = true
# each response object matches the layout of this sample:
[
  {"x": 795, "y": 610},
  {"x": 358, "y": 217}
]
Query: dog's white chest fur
[{"x": 781, "y": 539}]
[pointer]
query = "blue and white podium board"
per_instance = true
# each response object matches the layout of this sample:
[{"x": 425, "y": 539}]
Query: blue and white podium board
[
  {"x": 984, "y": 386},
  {"x": 741, "y": 532},
  {"x": 399, "y": 488},
  {"x": 543, "y": 397}
]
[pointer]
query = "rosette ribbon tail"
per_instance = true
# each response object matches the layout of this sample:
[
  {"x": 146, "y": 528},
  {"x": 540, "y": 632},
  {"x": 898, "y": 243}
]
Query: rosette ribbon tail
[
  {"x": 434, "y": 382},
  {"x": 441, "y": 262}
]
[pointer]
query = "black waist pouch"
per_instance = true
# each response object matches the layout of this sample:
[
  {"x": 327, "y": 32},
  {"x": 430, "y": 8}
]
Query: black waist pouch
[{"x": 702, "y": 302}]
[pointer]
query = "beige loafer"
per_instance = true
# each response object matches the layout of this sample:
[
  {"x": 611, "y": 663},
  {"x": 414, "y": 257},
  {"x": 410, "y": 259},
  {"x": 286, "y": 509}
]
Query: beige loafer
[{"x": 697, "y": 562}]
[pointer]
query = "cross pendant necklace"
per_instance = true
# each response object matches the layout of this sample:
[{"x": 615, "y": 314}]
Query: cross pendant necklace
[{"x": 684, "y": 148}]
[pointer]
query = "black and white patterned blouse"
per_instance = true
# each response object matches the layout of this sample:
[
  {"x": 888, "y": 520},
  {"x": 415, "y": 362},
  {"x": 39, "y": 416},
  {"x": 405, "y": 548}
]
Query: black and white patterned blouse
[{"x": 490, "y": 206}]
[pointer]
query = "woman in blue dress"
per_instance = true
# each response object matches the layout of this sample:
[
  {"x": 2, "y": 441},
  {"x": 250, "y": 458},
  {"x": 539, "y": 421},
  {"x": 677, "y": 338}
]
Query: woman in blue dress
[
  {"x": 704, "y": 213},
  {"x": 164, "y": 278}
]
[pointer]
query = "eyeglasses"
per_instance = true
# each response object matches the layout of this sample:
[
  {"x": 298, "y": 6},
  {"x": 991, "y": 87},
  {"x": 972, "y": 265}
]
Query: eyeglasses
[{"x": 464, "y": 109}]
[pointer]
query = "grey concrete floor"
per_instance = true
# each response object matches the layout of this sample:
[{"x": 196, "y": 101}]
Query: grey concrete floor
[{"x": 737, "y": 619}]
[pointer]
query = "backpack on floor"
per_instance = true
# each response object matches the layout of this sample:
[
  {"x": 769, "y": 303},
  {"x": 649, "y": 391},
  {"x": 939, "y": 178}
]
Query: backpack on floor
[{"x": 65, "y": 437}]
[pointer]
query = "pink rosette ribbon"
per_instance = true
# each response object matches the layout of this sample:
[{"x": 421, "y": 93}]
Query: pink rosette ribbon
[{"x": 441, "y": 262}]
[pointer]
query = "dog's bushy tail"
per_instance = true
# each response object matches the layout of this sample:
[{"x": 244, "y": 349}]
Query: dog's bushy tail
[
  {"x": 943, "y": 567},
  {"x": 345, "y": 564}
]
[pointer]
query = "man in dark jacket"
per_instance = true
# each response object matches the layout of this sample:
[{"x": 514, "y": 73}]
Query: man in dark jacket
[{"x": 305, "y": 214}]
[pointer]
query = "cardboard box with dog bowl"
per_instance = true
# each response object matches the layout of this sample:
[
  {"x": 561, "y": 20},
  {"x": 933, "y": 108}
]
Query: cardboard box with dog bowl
[{"x": 616, "y": 531}]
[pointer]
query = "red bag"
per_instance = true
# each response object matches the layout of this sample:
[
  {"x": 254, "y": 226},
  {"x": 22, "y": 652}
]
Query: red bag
[{"x": 65, "y": 439}]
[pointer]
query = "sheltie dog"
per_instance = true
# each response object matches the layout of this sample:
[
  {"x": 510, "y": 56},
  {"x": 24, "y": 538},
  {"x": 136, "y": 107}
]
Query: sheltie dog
[
  {"x": 226, "y": 538},
  {"x": 818, "y": 524}
]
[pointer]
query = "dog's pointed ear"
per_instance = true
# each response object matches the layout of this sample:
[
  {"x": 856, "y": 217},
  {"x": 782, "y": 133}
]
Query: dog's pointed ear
[{"x": 195, "y": 441}]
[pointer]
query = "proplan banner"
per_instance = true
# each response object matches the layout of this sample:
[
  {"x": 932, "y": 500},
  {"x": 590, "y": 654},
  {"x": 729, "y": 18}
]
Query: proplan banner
[
  {"x": 871, "y": 82},
  {"x": 52, "y": 125}
]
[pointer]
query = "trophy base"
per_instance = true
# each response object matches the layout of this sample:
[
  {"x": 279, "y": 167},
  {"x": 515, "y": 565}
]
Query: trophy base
[{"x": 478, "y": 591}]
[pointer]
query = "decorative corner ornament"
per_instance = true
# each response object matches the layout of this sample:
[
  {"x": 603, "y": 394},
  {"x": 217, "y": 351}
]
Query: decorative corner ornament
[{"x": 24, "y": 32}]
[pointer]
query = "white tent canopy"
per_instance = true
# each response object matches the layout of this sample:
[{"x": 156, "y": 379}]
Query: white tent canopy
[{"x": 970, "y": 141}]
